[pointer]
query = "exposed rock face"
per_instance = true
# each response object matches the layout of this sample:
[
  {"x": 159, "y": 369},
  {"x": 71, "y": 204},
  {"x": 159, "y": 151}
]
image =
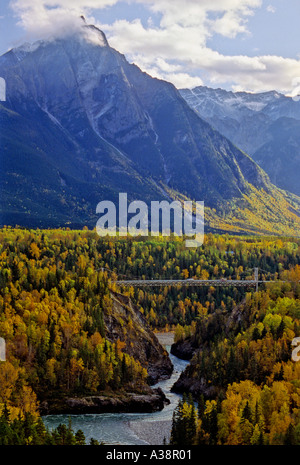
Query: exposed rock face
[
  {"x": 152, "y": 401},
  {"x": 183, "y": 349},
  {"x": 188, "y": 384},
  {"x": 128, "y": 324}
]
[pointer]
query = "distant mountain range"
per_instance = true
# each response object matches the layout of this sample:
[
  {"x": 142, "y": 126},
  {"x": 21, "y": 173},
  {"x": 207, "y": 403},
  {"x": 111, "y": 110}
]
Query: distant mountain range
[
  {"x": 265, "y": 125},
  {"x": 81, "y": 124}
]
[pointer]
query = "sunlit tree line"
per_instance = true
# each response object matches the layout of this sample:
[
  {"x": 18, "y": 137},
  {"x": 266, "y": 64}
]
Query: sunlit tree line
[{"x": 248, "y": 383}]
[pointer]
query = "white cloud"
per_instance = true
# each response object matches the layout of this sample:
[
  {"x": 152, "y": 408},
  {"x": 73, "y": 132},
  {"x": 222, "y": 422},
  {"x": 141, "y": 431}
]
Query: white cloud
[
  {"x": 271, "y": 9},
  {"x": 40, "y": 21},
  {"x": 176, "y": 48},
  {"x": 295, "y": 92},
  {"x": 42, "y": 16}
]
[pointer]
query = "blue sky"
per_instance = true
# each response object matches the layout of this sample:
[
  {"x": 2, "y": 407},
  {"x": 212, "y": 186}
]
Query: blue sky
[{"x": 251, "y": 45}]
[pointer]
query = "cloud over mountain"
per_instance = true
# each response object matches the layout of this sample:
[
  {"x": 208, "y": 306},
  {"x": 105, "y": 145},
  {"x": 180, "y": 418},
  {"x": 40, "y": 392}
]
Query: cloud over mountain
[{"x": 173, "y": 35}]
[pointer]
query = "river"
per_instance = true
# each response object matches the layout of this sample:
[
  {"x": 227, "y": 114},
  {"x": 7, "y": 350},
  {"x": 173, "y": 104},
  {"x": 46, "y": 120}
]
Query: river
[{"x": 129, "y": 428}]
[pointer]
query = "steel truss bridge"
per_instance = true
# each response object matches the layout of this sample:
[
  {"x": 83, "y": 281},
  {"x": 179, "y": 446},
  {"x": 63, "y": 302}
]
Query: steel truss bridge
[
  {"x": 195, "y": 282},
  {"x": 222, "y": 282},
  {"x": 190, "y": 282}
]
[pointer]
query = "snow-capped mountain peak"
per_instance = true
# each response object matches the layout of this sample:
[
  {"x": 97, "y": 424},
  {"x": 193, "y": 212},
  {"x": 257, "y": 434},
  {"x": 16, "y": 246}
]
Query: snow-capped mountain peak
[
  {"x": 88, "y": 32},
  {"x": 265, "y": 125}
]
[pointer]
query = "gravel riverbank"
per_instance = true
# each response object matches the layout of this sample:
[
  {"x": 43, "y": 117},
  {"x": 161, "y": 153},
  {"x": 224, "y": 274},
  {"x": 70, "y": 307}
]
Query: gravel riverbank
[{"x": 152, "y": 432}]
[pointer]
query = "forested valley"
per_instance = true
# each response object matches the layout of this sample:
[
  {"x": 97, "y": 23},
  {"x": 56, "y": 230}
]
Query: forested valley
[
  {"x": 56, "y": 286},
  {"x": 245, "y": 372}
]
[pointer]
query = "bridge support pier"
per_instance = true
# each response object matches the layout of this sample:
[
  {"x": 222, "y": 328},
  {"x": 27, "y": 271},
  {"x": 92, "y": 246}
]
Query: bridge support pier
[{"x": 256, "y": 278}]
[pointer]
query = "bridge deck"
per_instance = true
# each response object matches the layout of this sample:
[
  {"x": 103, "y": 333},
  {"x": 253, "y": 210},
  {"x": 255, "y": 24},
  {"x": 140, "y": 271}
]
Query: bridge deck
[{"x": 189, "y": 282}]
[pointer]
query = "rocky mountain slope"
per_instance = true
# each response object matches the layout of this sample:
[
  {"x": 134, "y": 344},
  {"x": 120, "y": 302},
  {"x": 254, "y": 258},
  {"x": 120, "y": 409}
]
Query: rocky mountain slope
[
  {"x": 127, "y": 324},
  {"x": 81, "y": 124},
  {"x": 264, "y": 125}
]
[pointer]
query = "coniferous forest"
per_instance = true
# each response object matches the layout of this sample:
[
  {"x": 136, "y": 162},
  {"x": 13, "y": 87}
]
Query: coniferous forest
[
  {"x": 243, "y": 373},
  {"x": 241, "y": 386}
]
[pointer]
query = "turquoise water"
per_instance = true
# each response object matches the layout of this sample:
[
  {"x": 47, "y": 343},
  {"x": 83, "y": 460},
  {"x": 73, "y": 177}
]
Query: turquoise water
[{"x": 127, "y": 428}]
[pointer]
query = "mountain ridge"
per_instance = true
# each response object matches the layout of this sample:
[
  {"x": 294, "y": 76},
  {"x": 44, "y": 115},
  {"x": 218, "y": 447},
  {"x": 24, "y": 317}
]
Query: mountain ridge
[
  {"x": 253, "y": 122},
  {"x": 90, "y": 125}
]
